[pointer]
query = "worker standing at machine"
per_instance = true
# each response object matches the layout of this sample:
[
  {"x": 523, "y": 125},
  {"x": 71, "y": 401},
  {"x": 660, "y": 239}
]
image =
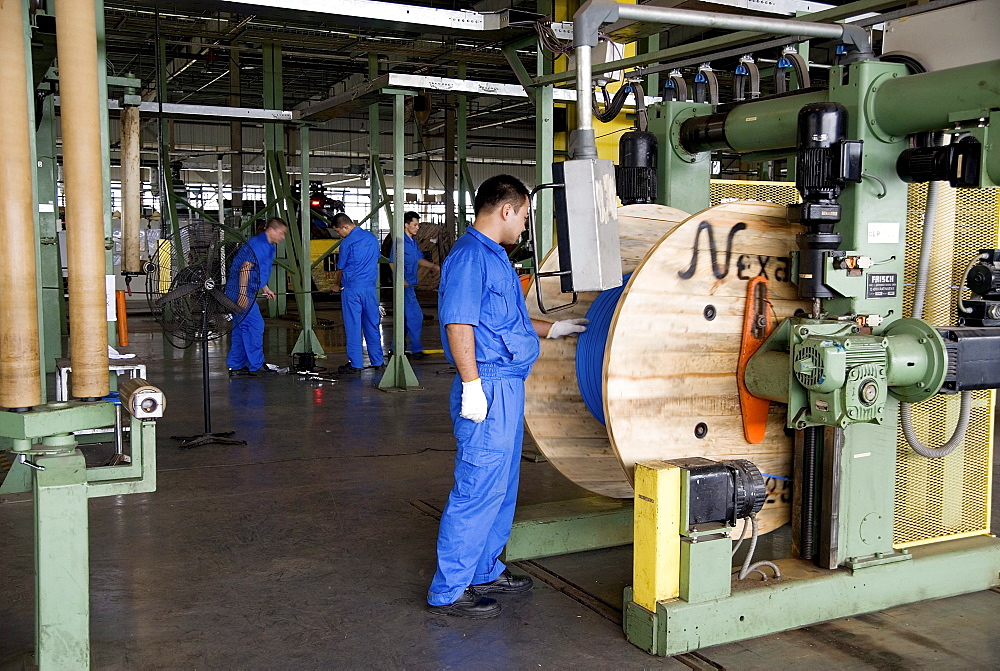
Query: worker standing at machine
[
  {"x": 412, "y": 260},
  {"x": 357, "y": 277},
  {"x": 489, "y": 337},
  {"x": 246, "y": 349}
]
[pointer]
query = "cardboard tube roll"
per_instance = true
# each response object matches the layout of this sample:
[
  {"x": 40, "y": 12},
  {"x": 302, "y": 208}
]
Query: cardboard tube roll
[
  {"x": 76, "y": 37},
  {"x": 20, "y": 373},
  {"x": 131, "y": 189}
]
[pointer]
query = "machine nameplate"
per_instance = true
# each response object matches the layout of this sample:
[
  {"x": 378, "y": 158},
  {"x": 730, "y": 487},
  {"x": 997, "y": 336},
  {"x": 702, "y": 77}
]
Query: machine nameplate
[{"x": 881, "y": 285}]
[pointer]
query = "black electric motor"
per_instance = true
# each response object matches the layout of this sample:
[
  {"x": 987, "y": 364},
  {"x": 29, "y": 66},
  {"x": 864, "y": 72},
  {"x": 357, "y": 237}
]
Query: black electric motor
[
  {"x": 824, "y": 163},
  {"x": 635, "y": 173},
  {"x": 722, "y": 491}
]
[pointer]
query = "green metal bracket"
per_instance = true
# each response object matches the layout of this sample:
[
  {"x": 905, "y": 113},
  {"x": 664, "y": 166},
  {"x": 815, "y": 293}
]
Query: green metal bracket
[
  {"x": 683, "y": 178},
  {"x": 562, "y": 527}
]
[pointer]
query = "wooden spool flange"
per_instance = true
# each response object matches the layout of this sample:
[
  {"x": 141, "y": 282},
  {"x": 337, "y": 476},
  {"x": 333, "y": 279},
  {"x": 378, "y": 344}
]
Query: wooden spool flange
[
  {"x": 668, "y": 368},
  {"x": 555, "y": 415}
]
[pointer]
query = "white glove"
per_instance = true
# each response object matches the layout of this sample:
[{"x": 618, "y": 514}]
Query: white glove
[
  {"x": 567, "y": 327},
  {"x": 474, "y": 404}
]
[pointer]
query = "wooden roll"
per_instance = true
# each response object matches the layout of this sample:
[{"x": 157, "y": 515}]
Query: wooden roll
[
  {"x": 674, "y": 343},
  {"x": 131, "y": 188},
  {"x": 76, "y": 43},
  {"x": 20, "y": 372},
  {"x": 555, "y": 414}
]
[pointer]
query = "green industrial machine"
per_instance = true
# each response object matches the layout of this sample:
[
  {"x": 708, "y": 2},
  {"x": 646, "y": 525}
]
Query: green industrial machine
[
  {"x": 43, "y": 438},
  {"x": 845, "y": 369}
]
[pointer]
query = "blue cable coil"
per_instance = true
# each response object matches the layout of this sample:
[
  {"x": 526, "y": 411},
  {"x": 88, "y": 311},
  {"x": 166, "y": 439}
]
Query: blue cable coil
[{"x": 590, "y": 349}]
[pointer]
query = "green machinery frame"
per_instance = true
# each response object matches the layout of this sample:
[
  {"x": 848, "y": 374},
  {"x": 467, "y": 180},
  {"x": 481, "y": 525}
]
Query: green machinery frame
[
  {"x": 48, "y": 463},
  {"x": 884, "y": 104}
]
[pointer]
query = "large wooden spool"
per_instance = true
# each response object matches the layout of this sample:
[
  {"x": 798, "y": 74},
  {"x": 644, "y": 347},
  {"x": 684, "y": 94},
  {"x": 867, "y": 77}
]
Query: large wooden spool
[{"x": 668, "y": 368}]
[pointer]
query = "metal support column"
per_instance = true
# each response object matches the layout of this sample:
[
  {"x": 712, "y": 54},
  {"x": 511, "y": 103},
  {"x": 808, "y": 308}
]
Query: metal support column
[
  {"x": 235, "y": 141},
  {"x": 374, "y": 154},
  {"x": 398, "y": 374},
  {"x": 49, "y": 270},
  {"x": 463, "y": 147},
  {"x": 62, "y": 563},
  {"x": 274, "y": 145},
  {"x": 307, "y": 341},
  {"x": 451, "y": 166},
  {"x": 544, "y": 157},
  {"x": 102, "y": 92}
]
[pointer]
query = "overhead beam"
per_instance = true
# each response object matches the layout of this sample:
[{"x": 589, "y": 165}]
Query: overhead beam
[
  {"x": 370, "y": 13},
  {"x": 349, "y": 101}
]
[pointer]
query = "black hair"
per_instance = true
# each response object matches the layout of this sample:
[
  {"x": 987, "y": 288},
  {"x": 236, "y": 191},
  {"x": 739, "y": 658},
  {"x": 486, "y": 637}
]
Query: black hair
[
  {"x": 496, "y": 191},
  {"x": 341, "y": 219},
  {"x": 410, "y": 216},
  {"x": 274, "y": 222}
]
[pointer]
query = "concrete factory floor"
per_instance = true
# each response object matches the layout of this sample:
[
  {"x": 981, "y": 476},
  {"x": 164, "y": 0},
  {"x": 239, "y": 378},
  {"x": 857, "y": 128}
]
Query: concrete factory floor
[{"x": 313, "y": 546}]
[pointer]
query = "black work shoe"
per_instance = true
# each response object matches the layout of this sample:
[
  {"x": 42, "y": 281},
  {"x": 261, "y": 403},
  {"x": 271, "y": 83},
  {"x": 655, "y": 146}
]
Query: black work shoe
[
  {"x": 418, "y": 355},
  {"x": 348, "y": 369},
  {"x": 233, "y": 372},
  {"x": 469, "y": 605},
  {"x": 377, "y": 368},
  {"x": 507, "y": 583}
]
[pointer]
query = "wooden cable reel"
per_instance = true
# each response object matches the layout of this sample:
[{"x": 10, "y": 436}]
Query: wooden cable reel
[{"x": 670, "y": 388}]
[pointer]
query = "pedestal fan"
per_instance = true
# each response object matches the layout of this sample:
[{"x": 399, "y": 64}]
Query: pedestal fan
[{"x": 186, "y": 287}]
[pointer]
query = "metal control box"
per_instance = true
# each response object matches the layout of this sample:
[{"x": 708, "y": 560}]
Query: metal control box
[{"x": 587, "y": 225}]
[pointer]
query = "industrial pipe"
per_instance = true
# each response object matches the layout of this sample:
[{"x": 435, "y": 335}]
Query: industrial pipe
[
  {"x": 131, "y": 188},
  {"x": 586, "y": 31},
  {"x": 76, "y": 42},
  {"x": 926, "y": 101},
  {"x": 20, "y": 372}
]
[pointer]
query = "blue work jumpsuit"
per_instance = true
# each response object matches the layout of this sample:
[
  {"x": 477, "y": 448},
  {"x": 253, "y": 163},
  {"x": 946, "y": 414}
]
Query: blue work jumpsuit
[
  {"x": 246, "y": 349},
  {"x": 358, "y": 258},
  {"x": 413, "y": 315},
  {"x": 479, "y": 287}
]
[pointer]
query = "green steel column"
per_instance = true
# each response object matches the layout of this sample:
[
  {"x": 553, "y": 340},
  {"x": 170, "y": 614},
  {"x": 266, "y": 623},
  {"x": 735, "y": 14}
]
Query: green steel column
[
  {"x": 167, "y": 201},
  {"x": 36, "y": 189},
  {"x": 374, "y": 153},
  {"x": 398, "y": 374},
  {"x": 62, "y": 563},
  {"x": 544, "y": 157},
  {"x": 102, "y": 85},
  {"x": 307, "y": 341},
  {"x": 682, "y": 177},
  {"x": 274, "y": 144},
  {"x": 462, "y": 143},
  {"x": 53, "y": 305}
]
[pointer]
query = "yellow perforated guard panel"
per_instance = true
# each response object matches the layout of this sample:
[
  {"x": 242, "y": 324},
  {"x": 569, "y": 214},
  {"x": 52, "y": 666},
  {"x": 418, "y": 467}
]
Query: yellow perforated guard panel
[
  {"x": 939, "y": 499},
  {"x": 936, "y": 499}
]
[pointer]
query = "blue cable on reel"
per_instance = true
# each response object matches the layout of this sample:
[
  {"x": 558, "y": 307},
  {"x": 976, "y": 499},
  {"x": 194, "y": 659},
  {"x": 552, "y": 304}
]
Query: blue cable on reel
[{"x": 590, "y": 349}]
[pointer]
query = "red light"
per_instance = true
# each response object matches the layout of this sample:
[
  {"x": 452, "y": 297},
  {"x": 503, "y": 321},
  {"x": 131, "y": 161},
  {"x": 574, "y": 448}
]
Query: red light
[{"x": 315, "y": 203}]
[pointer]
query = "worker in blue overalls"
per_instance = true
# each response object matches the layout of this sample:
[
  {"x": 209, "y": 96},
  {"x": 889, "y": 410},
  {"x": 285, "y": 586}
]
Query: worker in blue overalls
[
  {"x": 357, "y": 277},
  {"x": 248, "y": 274},
  {"x": 488, "y": 336},
  {"x": 413, "y": 259}
]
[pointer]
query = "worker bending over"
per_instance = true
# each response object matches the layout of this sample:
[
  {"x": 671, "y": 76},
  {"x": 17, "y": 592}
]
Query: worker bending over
[
  {"x": 489, "y": 337},
  {"x": 357, "y": 277},
  {"x": 248, "y": 274}
]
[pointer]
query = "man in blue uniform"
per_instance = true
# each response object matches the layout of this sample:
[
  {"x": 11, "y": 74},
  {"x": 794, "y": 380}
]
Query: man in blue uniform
[
  {"x": 357, "y": 274},
  {"x": 248, "y": 274},
  {"x": 488, "y": 336},
  {"x": 412, "y": 260}
]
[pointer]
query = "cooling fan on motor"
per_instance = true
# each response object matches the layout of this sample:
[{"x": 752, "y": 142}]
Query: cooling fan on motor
[{"x": 192, "y": 285}]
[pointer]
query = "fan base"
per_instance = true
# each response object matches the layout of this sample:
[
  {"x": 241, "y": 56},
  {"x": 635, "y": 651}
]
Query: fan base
[{"x": 220, "y": 438}]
